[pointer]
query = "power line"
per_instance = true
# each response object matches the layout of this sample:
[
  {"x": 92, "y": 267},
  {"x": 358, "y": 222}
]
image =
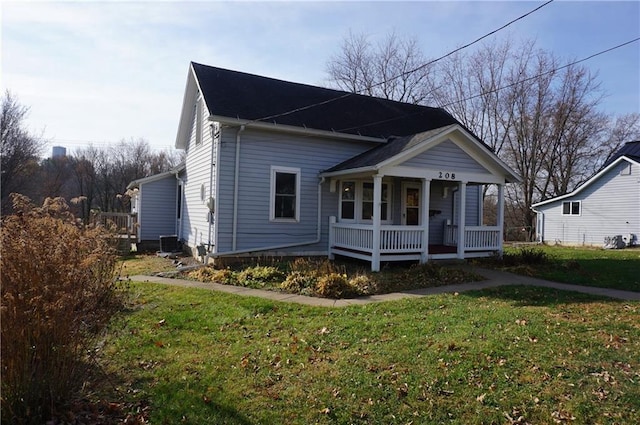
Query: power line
[
  {"x": 602, "y": 52},
  {"x": 462, "y": 47},
  {"x": 431, "y": 62},
  {"x": 508, "y": 85}
]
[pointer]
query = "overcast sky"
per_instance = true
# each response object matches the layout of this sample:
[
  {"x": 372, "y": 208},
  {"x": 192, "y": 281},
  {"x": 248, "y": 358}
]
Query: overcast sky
[{"x": 100, "y": 72}]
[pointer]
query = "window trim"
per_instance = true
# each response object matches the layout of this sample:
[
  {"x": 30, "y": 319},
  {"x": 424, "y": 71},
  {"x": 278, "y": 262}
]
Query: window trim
[
  {"x": 272, "y": 213},
  {"x": 359, "y": 199},
  {"x": 571, "y": 208}
]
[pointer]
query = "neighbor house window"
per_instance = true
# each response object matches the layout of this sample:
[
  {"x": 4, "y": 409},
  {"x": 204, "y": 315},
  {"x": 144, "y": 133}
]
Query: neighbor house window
[
  {"x": 348, "y": 201},
  {"x": 571, "y": 208},
  {"x": 285, "y": 194},
  {"x": 367, "y": 201}
]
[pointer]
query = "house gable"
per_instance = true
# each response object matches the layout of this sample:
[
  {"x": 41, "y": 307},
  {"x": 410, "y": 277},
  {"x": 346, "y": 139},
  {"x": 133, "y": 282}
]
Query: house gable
[
  {"x": 633, "y": 166},
  {"x": 432, "y": 154},
  {"x": 238, "y": 98},
  {"x": 446, "y": 155}
]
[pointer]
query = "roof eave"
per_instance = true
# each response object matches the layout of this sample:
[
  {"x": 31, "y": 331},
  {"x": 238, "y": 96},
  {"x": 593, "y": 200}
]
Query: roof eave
[
  {"x": 588, "y": 182},
  {"x": 230, "y": 121},
  {"x": 350, "y": 171}
]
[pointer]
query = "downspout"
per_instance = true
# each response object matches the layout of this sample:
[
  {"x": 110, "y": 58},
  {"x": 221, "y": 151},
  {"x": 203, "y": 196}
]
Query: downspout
[
  {"x": 539, "y": 224},
  {"x": 236, "y": 178},
  {"x": 211, "y": 165},
  {"x": 181, "y": 203},
  {"x": 289, "y": 245}
]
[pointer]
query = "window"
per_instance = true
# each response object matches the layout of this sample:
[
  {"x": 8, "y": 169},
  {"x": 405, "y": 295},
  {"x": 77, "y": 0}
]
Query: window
[
  {"x": 571, "y": 208},
  {"x": 348, "y": 201},
  {"x": 285, "y": 194},
  {"x": 356, "y": 201},
  {"x": 367, "y": 201}
]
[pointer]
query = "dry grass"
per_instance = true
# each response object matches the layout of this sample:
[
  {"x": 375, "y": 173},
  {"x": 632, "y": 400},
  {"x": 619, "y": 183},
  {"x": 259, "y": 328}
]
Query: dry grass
[{"x": 57, "y": 292}]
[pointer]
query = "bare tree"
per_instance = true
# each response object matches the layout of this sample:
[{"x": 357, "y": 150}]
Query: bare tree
[
  {"x": 19, "y": 151},
  {"x": 393, "y": 69},
  {"x": 621, "y": 129}
]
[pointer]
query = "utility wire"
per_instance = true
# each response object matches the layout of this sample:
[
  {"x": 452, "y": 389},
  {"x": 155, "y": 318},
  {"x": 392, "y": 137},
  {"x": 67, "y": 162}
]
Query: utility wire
[
  {"x": 431, "y": 62},
  {"x": 507, "y": 86},
  {"x": 461, "y": 47},
  {"x": 602, "y": 52}
]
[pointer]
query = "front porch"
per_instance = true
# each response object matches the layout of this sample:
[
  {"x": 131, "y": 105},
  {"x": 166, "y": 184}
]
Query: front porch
[
  {"x": 401, "y": 200},
  {"x": 407, "y": 243}
]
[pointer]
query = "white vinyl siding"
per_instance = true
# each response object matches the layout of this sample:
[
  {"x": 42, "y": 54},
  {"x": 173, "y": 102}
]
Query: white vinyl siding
[
  {"x": 195, "y": 225},
  {"x": 609, "y": 206}
]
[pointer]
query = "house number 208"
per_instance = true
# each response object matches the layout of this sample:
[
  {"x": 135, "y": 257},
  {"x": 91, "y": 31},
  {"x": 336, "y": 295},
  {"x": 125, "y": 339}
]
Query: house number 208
[{"x": 447, "y": 176}]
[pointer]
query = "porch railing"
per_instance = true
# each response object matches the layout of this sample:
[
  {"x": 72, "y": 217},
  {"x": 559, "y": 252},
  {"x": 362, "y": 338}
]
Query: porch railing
[
  {"x": 393, "y": 239},
  {"x": 476, "y": 238},
  {"x": 124, "y": 223},
  {"x": 409, "y": 239}
]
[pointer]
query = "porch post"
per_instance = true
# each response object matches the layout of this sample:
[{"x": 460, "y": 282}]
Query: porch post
[
  {"x": 377, "y": 200},
  {"x": 500, "y": 217},
  {"x": 426, "y": 189},
  {"x": 461, "y": 219}
]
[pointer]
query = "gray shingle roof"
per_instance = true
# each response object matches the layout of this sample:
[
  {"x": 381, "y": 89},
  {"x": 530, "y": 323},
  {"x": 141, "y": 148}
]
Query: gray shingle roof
[
  {"x": 390, "y": 149},
  {"x": 245, "y": 96},
  {"x": 630, "y": 150}
]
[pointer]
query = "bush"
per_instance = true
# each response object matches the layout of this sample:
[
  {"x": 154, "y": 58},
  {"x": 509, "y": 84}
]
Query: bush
[
  {"x": 335, "y": 285},
  {"x": 260, "y": 276},
  {"x": 58, "y": 291},
  {"x": 209, "y": 274},
  {"x": 364, "y": 285},
  {"x": 525, "y": 257},
  {"x": 299, "y": 283}
]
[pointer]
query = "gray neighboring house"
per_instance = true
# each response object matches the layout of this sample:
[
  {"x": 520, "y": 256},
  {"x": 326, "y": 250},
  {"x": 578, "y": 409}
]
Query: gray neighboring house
[
  {"x": 280, "y": 168},
  {"x": 155, "y": 203},
  {"x": 606, "y": 205}
]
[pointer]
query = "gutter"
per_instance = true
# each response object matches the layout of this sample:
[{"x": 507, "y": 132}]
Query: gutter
[{"x": 272, "y": 247}]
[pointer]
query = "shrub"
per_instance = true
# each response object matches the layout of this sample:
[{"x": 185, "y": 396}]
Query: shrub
[
  {"x": 259, "y": 276},
  {"x": 209, "y": 274},
  {"x": 527, "y": 256},
  {"x": 316, "y": 267},
  {"x": 364, "y": 285},
  {"x": 58, "y": 291},
  {"x": 335, "y": 285},
  {"x": 299, "y": 282}
]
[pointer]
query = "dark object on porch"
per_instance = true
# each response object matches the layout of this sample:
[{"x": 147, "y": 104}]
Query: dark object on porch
[{"x": 434, "y": 212}]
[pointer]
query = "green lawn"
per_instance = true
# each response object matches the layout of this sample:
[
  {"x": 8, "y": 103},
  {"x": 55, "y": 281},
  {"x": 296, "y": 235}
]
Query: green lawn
[
  {"x": 511, "y": 355},
  {"x": 618, "y": 269}
]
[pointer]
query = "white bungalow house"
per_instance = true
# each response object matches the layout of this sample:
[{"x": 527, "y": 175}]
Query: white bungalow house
[
  {"x": 280, "y": 168},
  {"x": 606, "y": 205}
]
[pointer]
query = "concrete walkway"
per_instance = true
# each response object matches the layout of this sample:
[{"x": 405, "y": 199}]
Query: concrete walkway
[{"x": 494, "y": 278}]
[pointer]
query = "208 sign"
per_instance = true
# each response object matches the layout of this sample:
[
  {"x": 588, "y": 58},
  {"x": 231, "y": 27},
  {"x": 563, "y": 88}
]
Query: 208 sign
[{"x": 446, "y": 175}]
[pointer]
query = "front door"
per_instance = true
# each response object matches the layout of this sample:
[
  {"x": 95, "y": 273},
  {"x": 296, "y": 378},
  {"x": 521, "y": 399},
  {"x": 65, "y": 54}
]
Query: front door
[{"x": 411, "y": 204}]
